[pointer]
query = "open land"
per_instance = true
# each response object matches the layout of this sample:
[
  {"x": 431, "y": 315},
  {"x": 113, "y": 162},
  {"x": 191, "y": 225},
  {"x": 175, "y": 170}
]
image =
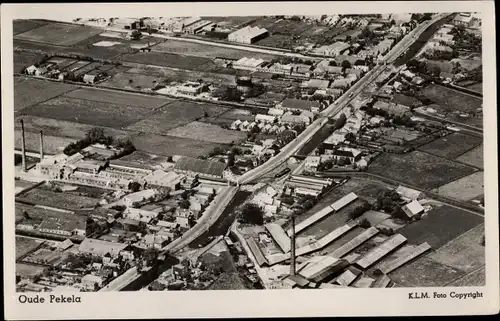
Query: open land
[
  {"x": 476, "y": 278},
  {"x": 29, "y": 270},
  {"x": 51, "y": 144},
  {"x": 464, "y": 253},
  {"x": 176, "y": 114},
  {"x": 451, "y": 146},
  {"x": 465, "y": 188},
  {"x": 23, "y": 91},
  {"x": 451, "y": 100},
  {"x": 474, "y": 157},
  {"x": 95, "y": 52},
  {"x": 25, "y": 59},
  {"x": 58, "y": 34},
  {"x": 120, "y": 44},
  {"x": 169, "y": 146},
  {"x": 24, "y": 245},
  {"x": 207, "y": 132},
  {"x": 208, "y": 51},
  {"x": 435, "y": 228},
  {"x": 65, "y": 201},
  {"x": 21, "y": 25},
  {"x": 89, "y": 112},
  {"x": 419, "y": 169}
]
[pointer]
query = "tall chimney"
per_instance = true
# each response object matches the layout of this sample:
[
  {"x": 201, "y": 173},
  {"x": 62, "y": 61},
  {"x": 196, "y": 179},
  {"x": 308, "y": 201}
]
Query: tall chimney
[
  {"x": 292, "y": 249},
  {"x": 41, "y": 145},
  {"x": 23, "y": 146}
]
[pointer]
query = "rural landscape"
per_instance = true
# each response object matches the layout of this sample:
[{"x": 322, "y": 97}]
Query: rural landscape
[{"x": 249, "y": 152}]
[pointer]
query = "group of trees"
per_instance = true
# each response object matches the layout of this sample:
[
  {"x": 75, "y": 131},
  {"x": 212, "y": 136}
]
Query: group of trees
[
  {"x": 421, "y": 17},
  {"x": 465, "y": 40},
  {"x": 251, "y": 213},
  {"x": 388, "y": 201},
  {"x": 97, "y": 136}
]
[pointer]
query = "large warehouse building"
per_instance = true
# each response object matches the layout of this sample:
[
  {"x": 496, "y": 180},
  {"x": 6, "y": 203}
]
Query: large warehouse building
[{"x": 248, "y": 35}]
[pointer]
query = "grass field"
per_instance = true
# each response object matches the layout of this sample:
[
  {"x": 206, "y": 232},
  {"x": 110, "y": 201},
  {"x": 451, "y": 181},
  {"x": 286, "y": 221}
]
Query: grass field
[
  {"x": 119, "y": 45},
  {"x": 424, "y": 272},
  {"x": 119, "y": 98},
  {"x": 441, "y": 225},
  {"x": 404, "y": 100},
  {"x": 451, "y": 146},
  {"x": 24, "y": 245},
  {"x": 169, "y": 146},
  {"x": 451, "y": 100},
  {"x": 474, "y": 157},
  {"x": 41, "y": 196},
  {"x": 419, "y": 169},
  {"x": 25, "y": 59},
  {"x": 21, "y": 25},
  {"x": 126, "y": 80},
  {"x": 465, "y": 188},
  {"x": 95, "y": 52},
  {"x": 476, "y": 87},
  {"x": 60, "y": 128},
  {"x": 172, "y": 75},
  {"x": 51, "y": 144},
  {"x": 207, "y": 132},
  {"x": 169, "y": 60},
  {"x": 23, "y": 92},
  {"x": 207, "y": 51},
  {"x": 176, "y": 114},
  {"x": 58, "y": 34},
  {"x": 464, "y": 253},
  {"x": 88, "y": 112}
]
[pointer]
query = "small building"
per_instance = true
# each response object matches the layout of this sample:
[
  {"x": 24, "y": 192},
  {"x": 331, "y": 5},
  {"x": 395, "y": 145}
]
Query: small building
[
  {"x": 409, "y": 193},
  {"x": 347, "y": 154},
  {"x": 248, "y": 63},
  {"x": 139, "y": 198},
  {"x": 190, "y": 88},
  {"x": 275, "y": 112},
  {"x": 90, "y": 79},
  {"x": 295, "y": 119},
  {"x": 312, "y": 163},
  {"x": 203, "y": 168},
  {"x": 332, "y": 50},
  {"x": 162, "y": 179},
  {"x": 92, "y": 282},
  {"x": 248, "y": 35},
  {"x": 298, "y": 104},
  {"x": 101, "y": 248},
  {"x": 315, "y": 84},
  {"x": 265, "y": 118},
  {"x": 413, "y": 209},
  {"x": 139, "y": 214}
]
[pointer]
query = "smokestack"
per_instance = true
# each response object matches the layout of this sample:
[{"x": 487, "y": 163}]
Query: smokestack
[
  {"x": 23, "y": 146},
  {"x": 292, "y": 249},
  {"x": 41, "y": 145}
]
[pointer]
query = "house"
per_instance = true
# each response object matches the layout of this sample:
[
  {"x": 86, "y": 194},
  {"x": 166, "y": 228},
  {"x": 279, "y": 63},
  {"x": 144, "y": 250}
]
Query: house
[
  {"x": 350, "y": 58},
  {"x": 337, "y": 137},
  {"x": 323, "y": 68},
  {"x": 162, "y": 179},
  {"x": 312, "y": 163},
  {"x": 190, "y": 88},
  {"x": 332, "y": 50},
  {"x": 295, "y": 119},
  {"x": 315, "y": 84},
  {"x": 139, "y": 198},
  {"x": 139, "y": 214},
  {"x": 341, "y": 83},
  {"x": 413, "y": 209},
  {"x": 265, "y": 118},
  {"x": 153, "y": 241},
  {"x": 92, "y": 282},
  {"x": 203, "y": 168},
  {"x": 410, "y": 194},
  {"x": 298, "y": 104},
  {"x": 308, "y": 114},
  {"x": 275, "y": 112},
  {"x": 236, "y": 124},
  {"x": 90, "y": 79},
  {"x": 31, "y": 70},
  {"x": 248, "y": 63},
  {"x": 128, "y": 224},
  {"x": 182, "y": 217},
  {"x": 397, "y": 85},
  {"x": 248, "y": 35},
  {"x": 63, "y": 224},
  {"x": 346, "y": 154},
  {"x": 462, "y": 19}
]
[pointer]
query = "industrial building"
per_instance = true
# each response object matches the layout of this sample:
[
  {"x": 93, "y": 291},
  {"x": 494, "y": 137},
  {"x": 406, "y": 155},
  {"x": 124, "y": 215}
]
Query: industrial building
[
  {"x": 203, "y": 168},
  {"x": 248, "y": 35}
]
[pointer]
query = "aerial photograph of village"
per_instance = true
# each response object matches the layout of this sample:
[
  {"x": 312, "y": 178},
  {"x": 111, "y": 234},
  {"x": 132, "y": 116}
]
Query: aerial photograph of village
[{"x": 249, "y": 152}]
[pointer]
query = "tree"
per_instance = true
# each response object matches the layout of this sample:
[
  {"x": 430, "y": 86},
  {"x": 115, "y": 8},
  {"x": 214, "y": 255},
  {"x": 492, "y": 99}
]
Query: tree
[
  {"x": 185, "y": 204},
  {"x": 332, "y": 63},
  {"x": 134, "y": 186},
  {"x": 252, "y": 213},
  {"x": 350, "y": 137},
  {"x": 26, "y": 215},
  {"x": 345, "y": 64},
  {"x": 230, "y": 160},
  {"x": 287, "y": 200}
]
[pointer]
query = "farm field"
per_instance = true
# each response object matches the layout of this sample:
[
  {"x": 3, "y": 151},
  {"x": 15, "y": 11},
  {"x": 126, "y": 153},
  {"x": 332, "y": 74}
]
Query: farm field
[
  {"x": 208, "y": 51},
  {"x": 51, "y": 144},
  {"x": 23, "y": 91},
  {"x": 207, "y": 132},
  {"x": 451, "y": 100},
  {"x": 404, "y": 100},
  {"x": 60, "y": 128},
  {"x": 88, "y": 112},
  {"x": 424, "y": 272},
  {"x": 476, "y": 87},
  {"x": 464, "y": 253},
  {"x": 25, "y": 59},
  {"x": 21, "y": 25},
  {"x": 41, "y": 196},
  {"x": 24, "y": 245},
  {"x": 170, "y": 146},
  {"x": 441, "y": 225},
  {"x": 132, "y": 81},
  {"x": 144, "y": 158},
  {"x": 119, "y": 98},
  {"x": 176, "y": 114},
  {"x": 465, "y": 188},
  {"x": 476, "y": 278},
  {"x": 474, "y": 157},
  {"x": 451, "y": 146},
  {"x": 95, "y": 52},
  {"x": 117, "y": 42},
  {"x": 365, "y": 189},
  {"x": 61, "y": 34},
  {"x": 419, "y": 169},
  {"x": 171, "y": 60},
  {"x": 21, "y": 185}
]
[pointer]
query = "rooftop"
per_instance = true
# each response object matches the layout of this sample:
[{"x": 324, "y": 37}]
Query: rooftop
[
  {"x": 200, "y": 166},
  {"x": 100, "y": 247}
]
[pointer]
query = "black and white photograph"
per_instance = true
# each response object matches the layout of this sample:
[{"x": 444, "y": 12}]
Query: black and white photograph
[{"x": 249, "y": 152}]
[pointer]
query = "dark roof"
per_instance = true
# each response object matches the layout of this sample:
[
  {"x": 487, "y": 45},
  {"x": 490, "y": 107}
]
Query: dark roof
[
  {"x": 299, "y": 104},
  {"x": 128, "y": 221},
  {"x": 200, "y": 166},
  {"x": 343, "y": 153},
  {"x": 257, "y": 253}
]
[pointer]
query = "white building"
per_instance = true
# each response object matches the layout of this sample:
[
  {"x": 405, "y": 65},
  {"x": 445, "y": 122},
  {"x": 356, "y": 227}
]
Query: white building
[{"x": 248, "y": 35}]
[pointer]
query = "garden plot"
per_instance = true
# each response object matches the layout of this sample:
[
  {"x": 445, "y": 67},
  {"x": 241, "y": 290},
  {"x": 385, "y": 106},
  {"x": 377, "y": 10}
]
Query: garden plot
[
  {"x": 29, "y": 270},
  {"x": 25, "y": 59},
  {"x": 464, "y": 189},
  {"x": 207, "y": 132},
  {"x": 23, "y": 92},
  {"x": 451, "y": 146},
  {"x": 24, "y": 245},
  {"x": 88, "y": 112},
  {"x": 440, "y": 226},
  {"x": 464, "y": 253},
  {"x": 61, "y": 34},
  {"x": 474, "y": 157},
  {"x": 418, "y": 169},
  {"x": 42, "y": 196},
  {"x": 451, "y": 100}
]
